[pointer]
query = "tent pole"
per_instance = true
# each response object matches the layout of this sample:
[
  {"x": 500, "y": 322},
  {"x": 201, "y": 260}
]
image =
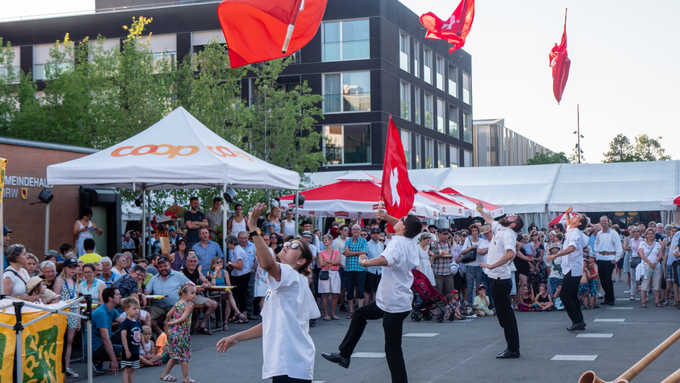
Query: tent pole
[
  {"x": 88, "y": 329},
  {"x": 18, "y": 327},
  {"x": 149, "y": 217},
  {"x": 143, "y": 223},
  {"x": 47, "y": 227},
  {"x": 297, "y": 205},
  {"x": 224, "y": 225}
]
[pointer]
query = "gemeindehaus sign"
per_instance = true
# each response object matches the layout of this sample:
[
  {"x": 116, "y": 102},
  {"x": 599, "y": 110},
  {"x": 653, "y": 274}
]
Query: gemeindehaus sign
[{"x": 18, "y": 186}]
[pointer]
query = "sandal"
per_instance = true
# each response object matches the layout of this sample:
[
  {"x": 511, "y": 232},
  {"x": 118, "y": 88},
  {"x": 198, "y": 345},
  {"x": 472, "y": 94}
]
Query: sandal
[
  {"x": 203, "y": 330},
  {"x": 189, "y": 381},
  {"x": 225, "y": 328},
  {"x": 350, "y": 315},
  {"x": 644, "y": 305},
  {"x": 326, "y": 318},
  {"x": 335, "y": 317},
  {"x": 241, "y": 319},
  {"x": 658, "y": 304},
  {"x": 168, "y": 378}
]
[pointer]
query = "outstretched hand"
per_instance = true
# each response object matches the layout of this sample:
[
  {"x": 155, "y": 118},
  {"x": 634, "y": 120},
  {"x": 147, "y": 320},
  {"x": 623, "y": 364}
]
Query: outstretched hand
[
  {"x": 255, "y": 213},
  {"x": 226, "y": 343},
  {"x": 568, "y": 210},
  {"x": 480, "y": 205}
]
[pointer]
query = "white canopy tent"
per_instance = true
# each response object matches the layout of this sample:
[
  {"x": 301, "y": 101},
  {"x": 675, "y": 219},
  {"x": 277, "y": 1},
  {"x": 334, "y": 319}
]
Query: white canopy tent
[{"x": 178, "y": 152}]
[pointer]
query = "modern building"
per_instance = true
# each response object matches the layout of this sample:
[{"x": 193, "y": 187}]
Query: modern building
[
  {"x": 369, "y": 60},
  {"x": 496, "y": 145}
]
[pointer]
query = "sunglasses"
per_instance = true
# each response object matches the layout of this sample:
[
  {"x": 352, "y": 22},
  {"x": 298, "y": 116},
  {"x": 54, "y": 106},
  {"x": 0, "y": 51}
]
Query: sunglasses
[
  {"x": 382, "y": 240},
  {"x": 292, "y": 245}
]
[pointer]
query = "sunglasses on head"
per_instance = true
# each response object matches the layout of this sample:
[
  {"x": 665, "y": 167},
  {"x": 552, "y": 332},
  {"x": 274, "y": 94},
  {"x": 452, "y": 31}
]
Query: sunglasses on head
[{"x": 292, "y": 245}]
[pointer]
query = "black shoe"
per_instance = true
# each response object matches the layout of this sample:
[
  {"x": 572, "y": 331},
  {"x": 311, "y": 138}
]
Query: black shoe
[
  {"x": 336, "y": 358},
  {"x": 577, "y": 326},
  {"x": 611, "y": 303},
  {"x": 252, "y": 317},
  {"x": 507, "y": 354}
]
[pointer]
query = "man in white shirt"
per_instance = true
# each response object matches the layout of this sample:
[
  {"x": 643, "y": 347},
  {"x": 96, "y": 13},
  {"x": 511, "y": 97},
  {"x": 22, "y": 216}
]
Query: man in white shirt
[
  {"x": 572, "y": 269},
  {"x": 339, "y": 245},
  {"x": 608, "y": 251},
  {"x": 501, "y": 253}
]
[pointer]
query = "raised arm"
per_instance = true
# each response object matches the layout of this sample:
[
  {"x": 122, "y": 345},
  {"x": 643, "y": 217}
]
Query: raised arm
[
  {"x": 264, "y": 257},
  {"x": 380, "y": 215},
  {"x": 487, "y": 218}
]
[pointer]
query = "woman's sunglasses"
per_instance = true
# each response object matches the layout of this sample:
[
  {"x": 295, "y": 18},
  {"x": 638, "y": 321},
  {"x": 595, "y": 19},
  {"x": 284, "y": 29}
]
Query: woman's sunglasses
[{"x": 292, "y": 245}]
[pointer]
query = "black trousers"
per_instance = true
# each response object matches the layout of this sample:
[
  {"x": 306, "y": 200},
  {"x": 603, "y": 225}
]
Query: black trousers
[
  {"x": 605, "y": 270},
  {"x": 241, "y": 283},
  {"x": 287, "y": 379},
  {"x": 500, "y": 290},
  {"x": 569, "y": 296},
  {"x": 392, "y": 325}
]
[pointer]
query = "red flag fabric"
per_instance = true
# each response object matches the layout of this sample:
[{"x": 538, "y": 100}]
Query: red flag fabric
[
  {"x": 397, "y": 192},
  {"x": 455, "y": 29},
  {"x": 256, "y": 30},
  {"x": 560, "y": 64}
]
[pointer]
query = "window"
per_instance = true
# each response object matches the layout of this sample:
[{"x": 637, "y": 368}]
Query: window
[
  {"x": 403, "y": 52},
  {"x": 416, "y": 59},
  {"x": 347, "y": 92},
  {"x": 467, "y": 158},
  {"x": 453, "y": 81},
  {"x": 440, "y": 73},
  {"x": 441, "y": 155},
  {"x": 453, "y": 157},
  {"x": 419, "y": 162},
  {"x": 416, "y": 109},
  {"x": 349, "y": 144},
  {"x": 346, "y": 40},
  {"x": 428, "y": 110},
  {"x": 453, "y": 122},
  {"x": 406, "y": 143},
  {"x": 466, "y": 88},
  {"x": 440, "y": 116},
  {"x": 429, "y": 153},
  {"x": 467, "y": 129},
  {"x": 427, "y": 66},
  {"x": 405, "y": 97}
]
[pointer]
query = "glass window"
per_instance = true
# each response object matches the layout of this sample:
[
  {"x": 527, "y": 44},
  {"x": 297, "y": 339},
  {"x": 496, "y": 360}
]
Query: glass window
[
  {"x": 405, "y": 97},
  {"x": 453, "y": 81},
  {"x": 346, "y": 40},
  {"x": 419, "y": 162},
  {"x": 440, "y": 73},
  {"x": 466, "y": 88},
  {"x": 441, "y": 155},
  {"x": 467, "y": 128},
  {"x": 416, "y": 59},
  {"x": 350, "y": 144},
  {"x": 429, "y": 153},
  {"x": 453, "y": 122},
  {"x": 440, "y": 116},
  {"x": 467, "y": 158},
  {"x": 427, "y": 66},
  {"x": 416, "y": 109},
  {"x": 347, "y": 92},
  {"x": 406, "y": 143},
  {"x": 404, "y": 52},
  {"x": 428, "y": 110},
  {"x": 453, "y": 157}
]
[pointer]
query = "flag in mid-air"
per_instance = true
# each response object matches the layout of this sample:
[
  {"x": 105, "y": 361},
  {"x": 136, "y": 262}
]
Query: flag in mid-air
[
  {"x": 259, "y": 30},
  {"x": 560, "y": 63},
  {"x": 397, "y": 192},
  {"x": 455, "y": 29}
]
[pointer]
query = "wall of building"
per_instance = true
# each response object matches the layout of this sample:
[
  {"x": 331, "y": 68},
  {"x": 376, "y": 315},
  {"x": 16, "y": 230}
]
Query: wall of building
[{"x": 496, "y": 145}]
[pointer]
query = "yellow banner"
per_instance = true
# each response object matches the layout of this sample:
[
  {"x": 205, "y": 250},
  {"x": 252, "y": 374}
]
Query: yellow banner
[
  {"x": 3, "y": 164},
  {"x": 42, "y": 348}
]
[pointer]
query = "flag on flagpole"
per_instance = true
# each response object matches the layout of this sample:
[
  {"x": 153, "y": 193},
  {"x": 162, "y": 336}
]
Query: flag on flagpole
[
  {"x": 397, "y": 191},
  {"x": 560, "y": 64},
  {"x": 257, "y": 30},
  {"x": 455, "y": 29}
]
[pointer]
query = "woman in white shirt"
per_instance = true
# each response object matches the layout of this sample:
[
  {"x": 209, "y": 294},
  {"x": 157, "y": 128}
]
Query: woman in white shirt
[
  {"x": 425, "y": 254},
  {"x": 632, "y": 244},
  {"x": 651, "y": 253},
  {"x": 15, "y": 276},
  {"x": 288, "y": 307}
]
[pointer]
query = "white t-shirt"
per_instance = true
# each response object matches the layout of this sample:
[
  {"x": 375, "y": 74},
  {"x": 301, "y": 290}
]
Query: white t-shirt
[
  {"x": 504, "y": 239},
  {"x": 339, "y": 245},
  {"x": 394, "y": 291},
  {"x": 651, "y": 252},
  {"x": 286, "y": 345},
  {"x": 574, "y": 261}
]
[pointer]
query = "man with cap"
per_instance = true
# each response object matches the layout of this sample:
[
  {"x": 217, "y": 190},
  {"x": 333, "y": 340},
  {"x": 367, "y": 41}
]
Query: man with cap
[
  {"x": 373, "y": 273},
  {"x": 167, "y": 282},
  {"x": 307, "y": 226},
  {"x": 5, "y": 244}
]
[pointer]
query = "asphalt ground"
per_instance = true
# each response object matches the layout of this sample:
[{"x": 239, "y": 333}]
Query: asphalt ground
[{"x": 460, "y": 351}]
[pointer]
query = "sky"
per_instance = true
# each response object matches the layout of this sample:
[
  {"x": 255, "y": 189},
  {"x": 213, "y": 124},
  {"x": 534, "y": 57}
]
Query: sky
[{"x": 623, "y": 66}]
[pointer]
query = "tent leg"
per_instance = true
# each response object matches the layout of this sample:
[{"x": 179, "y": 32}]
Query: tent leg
[
  {"x": 2, "y": 253},
  {"x": 143, "y": 223},
  {"x": 18, "y": 327},
  {"x": 224, "y": 225},
  {"x": 47, "y": 227},
  {"x": 297, "y": 205},
  {"x": 88, "y": 329},
  {"x": 149, "y": 215}
]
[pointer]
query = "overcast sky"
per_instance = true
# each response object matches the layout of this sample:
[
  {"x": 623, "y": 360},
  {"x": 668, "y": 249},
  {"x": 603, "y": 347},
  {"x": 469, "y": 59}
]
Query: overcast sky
[{"x": 623, "y": 73}]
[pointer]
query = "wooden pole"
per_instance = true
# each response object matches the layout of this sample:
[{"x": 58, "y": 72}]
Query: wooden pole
[{"x": 578, "y": 132}]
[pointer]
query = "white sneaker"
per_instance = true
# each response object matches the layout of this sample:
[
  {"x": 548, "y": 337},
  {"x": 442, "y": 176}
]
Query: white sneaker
[{"x": 70, "y": 373}]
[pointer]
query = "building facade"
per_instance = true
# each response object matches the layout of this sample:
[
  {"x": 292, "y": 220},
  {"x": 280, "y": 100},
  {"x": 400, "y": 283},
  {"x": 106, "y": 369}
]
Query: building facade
[
  {"x": 369, "y": 60},
  {"x": 496, "y": 145}
]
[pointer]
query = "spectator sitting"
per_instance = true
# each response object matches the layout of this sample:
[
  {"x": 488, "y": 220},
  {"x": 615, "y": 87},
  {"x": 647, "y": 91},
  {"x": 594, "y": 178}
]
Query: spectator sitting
[
  {"x": 63, "y": 249},
  {"x": 15, "y": 276},
  {"x": 49, "y": 257},
  {"x": 145, "y": 264},
  {"x": 128, "y": 243},
  {"x": 90, "y": 285},
  {"x": 106, "y": 345},
  {"x": 454, "y": 306},
  {"x": 167, "y": 282},
  {"x": 130, "y": 285},
  {"x": 151, "y": 265},
  {"x": 48, "y": 271},
  {"x": 219, "y": 277},
  {"x": 559, "y": 306},
  {"x": 543, "y": 301},
  {"x": 32, "y": 264},
  {"x": 147, "y": 350},
  {"x": 192, "y": 270},
  {"x": 119, "y": 264},
  {"x": 527, "y": 299},
  {"x": 179, "y": 258},
  {"x": 206, "y": 250},
  {"x": 35, "y": 288},
  {"x": 481, "y": 303},
  {"x": 108, "y": 276}
]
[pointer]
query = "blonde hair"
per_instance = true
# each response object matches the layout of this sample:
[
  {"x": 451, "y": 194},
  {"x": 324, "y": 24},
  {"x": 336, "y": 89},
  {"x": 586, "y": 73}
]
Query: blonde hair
[
  {"x": 184, "y": 287},
  {"x": 129, "y": 302}
]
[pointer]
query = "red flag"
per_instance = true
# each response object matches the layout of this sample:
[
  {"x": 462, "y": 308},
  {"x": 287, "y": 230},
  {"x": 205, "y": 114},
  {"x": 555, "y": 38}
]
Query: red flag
[
  {"x": 455, "y": 29},
  {"x": 258, "y": 30},
  {"x": 560, "y": 63},
  {"x": 397, "y": 191}
]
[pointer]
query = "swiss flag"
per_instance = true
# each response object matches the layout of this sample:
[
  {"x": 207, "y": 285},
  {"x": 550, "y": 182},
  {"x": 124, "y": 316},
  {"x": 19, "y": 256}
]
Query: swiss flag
[
  {"x": 397, "y": 191},
  {"x": 257, "y": 30},
  {"x": 560, "y": 64},
  {"x": 455, "y": 29}
]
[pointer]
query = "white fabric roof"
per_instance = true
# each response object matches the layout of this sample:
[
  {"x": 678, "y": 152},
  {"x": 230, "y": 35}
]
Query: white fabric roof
[{"x": 178, "y": 152}]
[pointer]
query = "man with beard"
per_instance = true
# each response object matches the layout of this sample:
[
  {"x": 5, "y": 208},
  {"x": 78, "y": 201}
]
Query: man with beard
[
  {"x": 167, "y": 282},
  {"x": 501, "y": 253},
  {"x": 572, "y": 269}
]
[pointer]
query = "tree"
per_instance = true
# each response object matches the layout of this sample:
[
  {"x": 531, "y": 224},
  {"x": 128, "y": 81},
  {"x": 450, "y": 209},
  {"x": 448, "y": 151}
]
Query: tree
[
  {"x": 620, "y": 150},
  {"x": 548, "y": 157},
  {"x": 649, "y": 149},
  {"x": 576, "y": 153}
]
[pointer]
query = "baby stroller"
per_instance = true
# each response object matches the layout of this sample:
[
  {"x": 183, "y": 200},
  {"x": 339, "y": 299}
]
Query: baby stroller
[{"x": 426, "y": 298}]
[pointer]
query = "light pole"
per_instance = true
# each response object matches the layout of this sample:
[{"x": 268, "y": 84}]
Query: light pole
[{"x": 578, "y": 135}]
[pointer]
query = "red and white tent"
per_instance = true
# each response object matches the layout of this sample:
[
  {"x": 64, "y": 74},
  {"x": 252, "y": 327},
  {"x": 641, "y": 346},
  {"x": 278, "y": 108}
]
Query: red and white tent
[
  {"x": 562, "y": 219},
  {"x": 471, "y": 203},
  {"x": 671, "y": 203},
  {"x": 448, "y": 208}
]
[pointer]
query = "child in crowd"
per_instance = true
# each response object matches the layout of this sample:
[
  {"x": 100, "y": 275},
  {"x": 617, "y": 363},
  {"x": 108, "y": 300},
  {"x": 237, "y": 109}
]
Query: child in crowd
[
  {"x": 481, "y": 303},
  {"x": 147, "y": 350},
  {"x": 592, "y": 273},
  {"x": 453, "y": 310},
  {"x": 559, "y": 306},
  {"x": 131, "y": 337},
  {"x": 555, "y": 276},
  {"x": 178, "y": 324},
  {"x": 527, "y": 299},
  {"x": 543, "y": 301},
  {"x": 36, "y": 287}
]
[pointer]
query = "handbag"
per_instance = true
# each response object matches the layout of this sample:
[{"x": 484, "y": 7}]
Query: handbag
[
  {"x": 635, "y": 261},
  {"x": 470, "y": 256},
  {"x": 324, "y": 275}
]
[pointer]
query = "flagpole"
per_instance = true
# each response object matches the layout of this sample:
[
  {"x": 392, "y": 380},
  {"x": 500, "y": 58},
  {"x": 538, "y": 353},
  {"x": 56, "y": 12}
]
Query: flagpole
[
  {"x": 565, "y": 17},
  {"x": 291, "y": 26},
  {"x": 578, "y": 133},
  {"x": 463, "y": 15}
]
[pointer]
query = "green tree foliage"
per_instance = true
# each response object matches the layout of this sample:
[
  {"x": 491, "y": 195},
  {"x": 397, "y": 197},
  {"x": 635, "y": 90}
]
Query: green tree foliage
[
  {"x": 620, "y": 150},
  {"x": 548, "y": 158},
  {"x": 575, "y": 154},
  {"x": 645, "y": 149}
]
